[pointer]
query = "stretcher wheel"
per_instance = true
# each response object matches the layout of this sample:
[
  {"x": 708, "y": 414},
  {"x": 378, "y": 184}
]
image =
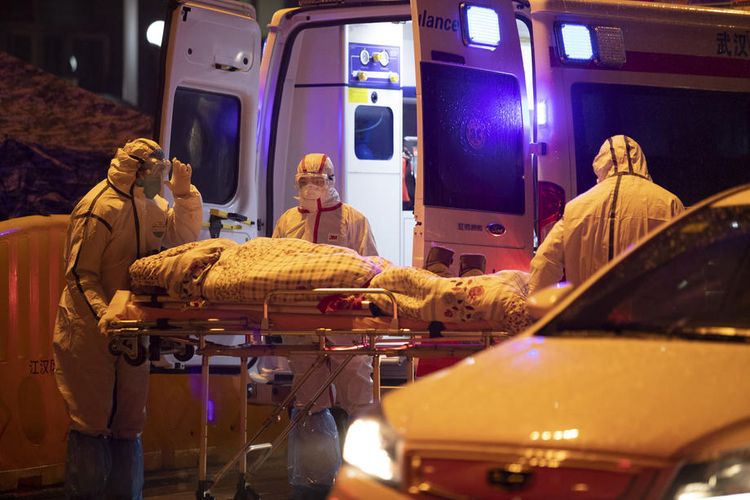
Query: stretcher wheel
[
  {"x": 185, "y": 353},
  {"x": 139, "y": 358},
  {"x": 201, "y": 491},
  {"x": 114, "y": 347},
  {"x": 245, "y": 492}
]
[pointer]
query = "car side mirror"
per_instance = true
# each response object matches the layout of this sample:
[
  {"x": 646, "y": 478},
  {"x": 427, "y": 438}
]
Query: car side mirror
[{"x": 541, "y": 302}]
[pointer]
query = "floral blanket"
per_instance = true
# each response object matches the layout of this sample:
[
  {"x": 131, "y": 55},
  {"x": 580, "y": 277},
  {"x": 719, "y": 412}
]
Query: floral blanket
[{"x": 497, "y": 299}]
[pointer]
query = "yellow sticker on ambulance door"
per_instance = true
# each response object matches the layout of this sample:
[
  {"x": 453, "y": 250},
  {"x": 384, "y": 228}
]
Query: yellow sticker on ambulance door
[{"x": 359, "y": 95}]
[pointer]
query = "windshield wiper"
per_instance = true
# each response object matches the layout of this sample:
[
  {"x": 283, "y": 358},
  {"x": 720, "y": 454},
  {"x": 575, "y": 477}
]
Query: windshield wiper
[
  {"x": 606, "y": 329},
  {"x": 677, "y": 330},
  {"x": 711, "y": 333}
]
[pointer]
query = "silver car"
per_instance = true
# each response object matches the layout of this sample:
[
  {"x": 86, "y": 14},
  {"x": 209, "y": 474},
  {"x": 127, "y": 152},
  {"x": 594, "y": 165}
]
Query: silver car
[{"x": 634, "y": 385}]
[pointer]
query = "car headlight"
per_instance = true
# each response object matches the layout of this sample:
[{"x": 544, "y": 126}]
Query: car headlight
[
  {"x": 725, "y": 477},
  {"x": 372, "y": 446}
]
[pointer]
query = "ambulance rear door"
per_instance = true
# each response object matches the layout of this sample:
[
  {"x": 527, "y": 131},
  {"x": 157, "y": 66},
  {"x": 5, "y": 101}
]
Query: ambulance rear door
[
  {"x": 474, "y": 183},
  {"x": 209, "y": 108}
]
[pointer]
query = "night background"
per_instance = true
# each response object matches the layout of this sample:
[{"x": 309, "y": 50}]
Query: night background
[{"x": 78, "y": 79}]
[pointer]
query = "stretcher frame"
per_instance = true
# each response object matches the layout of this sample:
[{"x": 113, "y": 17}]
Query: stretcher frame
[{"x": 391, "y": 340}]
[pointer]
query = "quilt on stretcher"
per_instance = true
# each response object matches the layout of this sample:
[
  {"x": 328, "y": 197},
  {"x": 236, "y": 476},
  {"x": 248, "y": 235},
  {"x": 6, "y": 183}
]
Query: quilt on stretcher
[
  {"x": 223, "y": 271},
  {"x": 498, "y": 299}
]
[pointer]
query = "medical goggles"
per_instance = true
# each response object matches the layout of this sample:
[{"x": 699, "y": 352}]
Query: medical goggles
[
  {"x": 152, "y": 165},
  {"x": 303, "y": 180}
]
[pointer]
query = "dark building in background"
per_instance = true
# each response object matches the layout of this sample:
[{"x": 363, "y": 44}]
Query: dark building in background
[
  {"x": 84, "y": 42},
  {"x": 78, "y": 78}
]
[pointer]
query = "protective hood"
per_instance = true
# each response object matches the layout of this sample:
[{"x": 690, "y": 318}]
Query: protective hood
[
  {"x": 124, "y": 166},
  {"x": 620, "y": 154},
  {"x": 318, "y": 163}
]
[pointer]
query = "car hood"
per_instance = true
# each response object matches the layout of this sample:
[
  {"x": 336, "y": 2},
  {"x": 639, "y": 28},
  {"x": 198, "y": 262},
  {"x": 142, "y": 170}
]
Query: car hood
[{"x": 641, "y": 396}]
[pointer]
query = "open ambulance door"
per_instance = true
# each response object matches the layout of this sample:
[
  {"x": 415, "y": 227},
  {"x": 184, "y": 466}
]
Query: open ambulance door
[
  {"x": 474, "y": 190},
  {"x": 209, "y": 108}
]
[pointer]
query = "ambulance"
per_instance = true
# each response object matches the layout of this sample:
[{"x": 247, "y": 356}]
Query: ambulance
[{"x": 466, "y": 125}]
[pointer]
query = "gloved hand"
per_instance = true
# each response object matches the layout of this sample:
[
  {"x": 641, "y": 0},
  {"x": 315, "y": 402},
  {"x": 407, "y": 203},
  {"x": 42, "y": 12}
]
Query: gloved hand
[
  {"x": 104, "y": 323},
  {"x": 180, "y": 181},
  {"x": 116, "y": 310}
]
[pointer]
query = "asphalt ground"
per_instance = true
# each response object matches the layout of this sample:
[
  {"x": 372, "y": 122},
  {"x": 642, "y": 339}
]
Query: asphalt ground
[{"x": 269, "y": 482}]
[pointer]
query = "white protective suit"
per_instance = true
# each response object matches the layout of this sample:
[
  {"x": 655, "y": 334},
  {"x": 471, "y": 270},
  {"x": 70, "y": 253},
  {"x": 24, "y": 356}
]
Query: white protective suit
[
  {"x": 597, "y": 225},
  {"x": 326, "y": 219},
  {"x": 321, "y": 217},
  {"x": 112, "y": 226}
]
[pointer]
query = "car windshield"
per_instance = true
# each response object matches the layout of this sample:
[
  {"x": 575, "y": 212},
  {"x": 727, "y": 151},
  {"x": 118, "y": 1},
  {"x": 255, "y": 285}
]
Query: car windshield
[{"x": 693, "y": 280}]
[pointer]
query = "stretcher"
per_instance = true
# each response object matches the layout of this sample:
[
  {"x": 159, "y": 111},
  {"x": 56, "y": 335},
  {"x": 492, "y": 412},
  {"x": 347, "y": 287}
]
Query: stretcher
[{"x": 188, "y": 328}]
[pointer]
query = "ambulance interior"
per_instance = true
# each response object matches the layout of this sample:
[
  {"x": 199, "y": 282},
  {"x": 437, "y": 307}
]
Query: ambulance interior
[{"x": 350, "y": 92}]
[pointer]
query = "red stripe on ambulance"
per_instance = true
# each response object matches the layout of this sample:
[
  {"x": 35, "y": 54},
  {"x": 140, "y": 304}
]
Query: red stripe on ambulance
[{"x": 650, "y": 62}]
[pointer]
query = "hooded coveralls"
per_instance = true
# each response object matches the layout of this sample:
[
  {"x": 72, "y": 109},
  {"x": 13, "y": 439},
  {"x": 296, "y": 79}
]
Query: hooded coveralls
[
  {"x": 596, "y": 226},
  {"x": 325, "y": 219},
  {"x": 112, "y": 226},
  {"x": 314, "y": 453}
]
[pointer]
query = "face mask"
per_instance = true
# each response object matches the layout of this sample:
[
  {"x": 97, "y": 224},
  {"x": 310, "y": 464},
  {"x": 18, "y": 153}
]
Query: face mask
[
  {"x": 151, "y": 185},
  {"x": 311, "y": 192}
]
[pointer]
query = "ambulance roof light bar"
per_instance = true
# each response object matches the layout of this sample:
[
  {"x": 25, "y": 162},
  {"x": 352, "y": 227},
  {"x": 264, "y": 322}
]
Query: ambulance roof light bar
[
  {"x": 583, "y": 44},
  {"x": 480, "y": 26},
  {"x": 576, "y": 42}
]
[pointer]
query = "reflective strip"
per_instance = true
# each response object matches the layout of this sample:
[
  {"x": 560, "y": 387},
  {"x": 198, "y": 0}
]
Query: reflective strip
[
  {"x": 633, "y": 174},
  {"x": 110, "y": 184},
  {"x": 317, "y": 222},
  {"x": 331, "y": 208},
  {"x": 612, "y": 153},
  {"x": 114, "y": 397},
  {"x": 612, "y": 213},
  {"x": 317, "y": 217},
  {"x": 137, "y": 225},
  {"x": 627, "y": 155},
  {"x": 79, "y": 285},
  {"x": 322, "y": 163},
  {"x": 94, "y": 216}
]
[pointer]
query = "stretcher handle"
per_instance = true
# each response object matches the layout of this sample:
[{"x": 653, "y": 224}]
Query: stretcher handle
[{"x": 330, "y": 291}]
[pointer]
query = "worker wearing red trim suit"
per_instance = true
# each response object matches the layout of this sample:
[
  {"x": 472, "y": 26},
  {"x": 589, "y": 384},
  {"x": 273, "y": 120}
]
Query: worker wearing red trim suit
[
  {"x": 122, "y": 218},
  {"x": 596, "y": 226},
  {"x": 314, "y": 454},
  {"x": 321, "y": 217}
]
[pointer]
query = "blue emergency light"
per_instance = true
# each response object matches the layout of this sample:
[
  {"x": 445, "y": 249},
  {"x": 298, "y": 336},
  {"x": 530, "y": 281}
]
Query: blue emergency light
[
  {"x": 481, "y": 26},
  {"x": 576, "y": 42}
]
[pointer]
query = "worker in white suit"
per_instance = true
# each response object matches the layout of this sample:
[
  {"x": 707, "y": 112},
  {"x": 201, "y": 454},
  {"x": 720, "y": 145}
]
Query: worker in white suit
[
  {"x": 314, "y": 454},
  {"x": 623, "y": 206},
  {"x": 321, "y": 217},
  {"x": 119, "y": 220}
]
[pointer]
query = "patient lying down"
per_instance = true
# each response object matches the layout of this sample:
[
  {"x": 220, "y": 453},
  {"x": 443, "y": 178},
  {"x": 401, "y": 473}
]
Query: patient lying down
[{"x": 223, "y": 271}]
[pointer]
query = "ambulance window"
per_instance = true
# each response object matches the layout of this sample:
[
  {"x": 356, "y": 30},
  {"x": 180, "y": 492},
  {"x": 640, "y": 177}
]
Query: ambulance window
[
  {"x": 205, "y": 133},
  {"x": 473, "y": 139},
  {"x": 696, "y": 142},
  {"x": 373, "y": 133}
]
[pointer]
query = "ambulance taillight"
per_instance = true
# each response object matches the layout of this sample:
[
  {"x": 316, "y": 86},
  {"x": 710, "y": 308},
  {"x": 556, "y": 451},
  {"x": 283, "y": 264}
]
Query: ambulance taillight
[{"x": 551, "y": 202}]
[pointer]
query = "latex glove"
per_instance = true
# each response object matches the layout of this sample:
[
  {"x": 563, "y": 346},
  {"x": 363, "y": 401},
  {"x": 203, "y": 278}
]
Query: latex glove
[
  {"x": 104, "y": 322},
  {"x": 180, "y": 181},
  {"x": 109, "y": 315}
]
